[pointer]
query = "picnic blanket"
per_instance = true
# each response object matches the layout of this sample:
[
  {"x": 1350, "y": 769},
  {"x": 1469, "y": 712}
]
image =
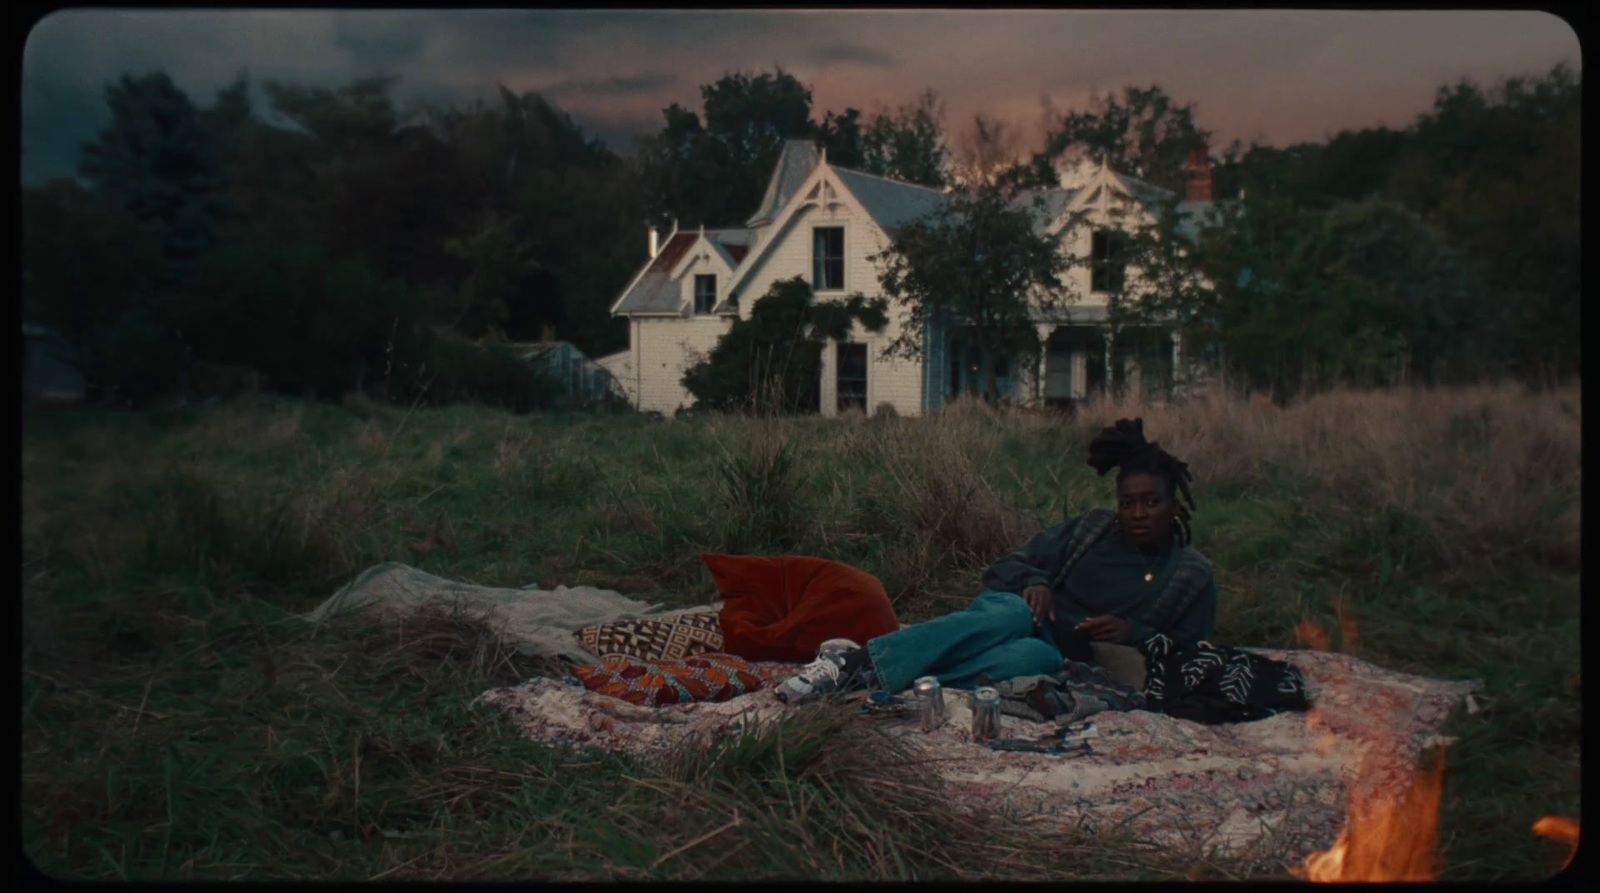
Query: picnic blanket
[
  {"x": 1277, "y": 786},
  {"x": 536, "y": 622}
]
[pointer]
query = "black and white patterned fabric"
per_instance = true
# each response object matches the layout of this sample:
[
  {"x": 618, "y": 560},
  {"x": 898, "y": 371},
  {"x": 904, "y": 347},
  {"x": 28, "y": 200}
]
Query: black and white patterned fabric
[{"x": 1216, "y": 684}]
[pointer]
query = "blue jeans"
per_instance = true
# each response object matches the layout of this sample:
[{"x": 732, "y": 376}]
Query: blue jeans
[{"x": 996, "y": 635}]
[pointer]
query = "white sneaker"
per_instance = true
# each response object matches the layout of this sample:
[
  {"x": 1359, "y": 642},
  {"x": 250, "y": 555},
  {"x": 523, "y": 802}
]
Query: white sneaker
[{"x": 841, "y": 665}]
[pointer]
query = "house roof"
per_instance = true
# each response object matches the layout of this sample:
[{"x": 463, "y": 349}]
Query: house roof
[
  {"x": 1072, "y": 314},
  {"x": 655, "y": 292},
  {"x": 890, "y": 203},
  {"x": 795, "y": 164},
  {"x": 1054, "y": 201}
]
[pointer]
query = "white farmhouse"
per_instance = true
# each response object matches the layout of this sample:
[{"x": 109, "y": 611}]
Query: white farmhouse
[{"x": 824, "y": 223}]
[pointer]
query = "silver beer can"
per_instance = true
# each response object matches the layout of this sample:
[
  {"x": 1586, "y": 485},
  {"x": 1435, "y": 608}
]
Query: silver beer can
[
  {"x": 985, "y": 713},
  {"x": 930, "y": 702}
]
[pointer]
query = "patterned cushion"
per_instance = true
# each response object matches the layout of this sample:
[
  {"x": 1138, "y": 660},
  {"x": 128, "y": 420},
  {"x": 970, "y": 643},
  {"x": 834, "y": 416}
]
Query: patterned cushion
[
  {"x": 656, "y": 638},
  {"x": 709, "y": 677}
]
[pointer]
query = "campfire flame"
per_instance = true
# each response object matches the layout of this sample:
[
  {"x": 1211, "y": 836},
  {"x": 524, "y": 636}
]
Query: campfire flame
[
  {"x": 1560, "y": 829},
  {"x": 1388, "y": 836}
]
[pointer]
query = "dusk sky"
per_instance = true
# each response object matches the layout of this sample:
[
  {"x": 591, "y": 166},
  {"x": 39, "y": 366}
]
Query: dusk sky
[{"x": 1275, "y": 77}]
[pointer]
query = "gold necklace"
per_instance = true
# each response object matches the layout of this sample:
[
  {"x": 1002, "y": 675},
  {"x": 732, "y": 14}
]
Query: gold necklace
[{"x": 1150, "y": 569}]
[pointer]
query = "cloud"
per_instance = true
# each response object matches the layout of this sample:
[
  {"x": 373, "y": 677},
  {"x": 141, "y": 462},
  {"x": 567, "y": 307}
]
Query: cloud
[
  {"x": 853, "y": 54},
  {"x": 1284, "y": 75},
  {"x": 615, "y": 86}
]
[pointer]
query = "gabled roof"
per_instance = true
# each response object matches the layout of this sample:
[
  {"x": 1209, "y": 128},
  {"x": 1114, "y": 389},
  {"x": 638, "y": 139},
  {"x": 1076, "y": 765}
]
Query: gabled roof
[
  {"x": 732, "y": 244},
  {"x": 890, "y": 203},
  {"x": 654, "y": 291},
  {"x": 795, "y": 164},
  {"x": 1053, "y": 202}
]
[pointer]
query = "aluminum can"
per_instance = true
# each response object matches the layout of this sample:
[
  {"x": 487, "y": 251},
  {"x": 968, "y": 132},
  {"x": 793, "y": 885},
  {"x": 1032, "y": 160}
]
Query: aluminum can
[
  {"x": 930, "y": 702},
  {"x": 985, "y": 713}
]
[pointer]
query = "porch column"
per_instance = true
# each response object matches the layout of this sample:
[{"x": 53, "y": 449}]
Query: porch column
[
  {"x": 1177, "y": 360},
  {"x": 1045, "y": 331},
  {"x": 1110, "y": 339}
]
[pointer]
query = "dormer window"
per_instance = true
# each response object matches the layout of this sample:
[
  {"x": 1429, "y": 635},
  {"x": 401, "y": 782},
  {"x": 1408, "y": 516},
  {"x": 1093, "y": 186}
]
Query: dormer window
[
  {"x": 827, "y": 272},
  {"x": 705, "y": 294}
]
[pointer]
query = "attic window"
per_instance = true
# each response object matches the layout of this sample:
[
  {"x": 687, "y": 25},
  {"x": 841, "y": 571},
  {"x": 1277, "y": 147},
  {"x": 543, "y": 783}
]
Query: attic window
[
  {"x": 828, "y": 259},
  {"x": 705, "y": 294},
  {"x": 1105, "y": 253}
]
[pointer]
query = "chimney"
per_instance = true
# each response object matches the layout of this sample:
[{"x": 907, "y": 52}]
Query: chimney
[
  {"x": 547, "y": 333},
  {"x": 655, "y": 247},
  {"x": 1199, "y": 186}
]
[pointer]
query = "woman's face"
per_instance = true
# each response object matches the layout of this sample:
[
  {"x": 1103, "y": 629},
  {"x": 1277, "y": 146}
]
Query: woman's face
[{"x": 1144, "y": 508}]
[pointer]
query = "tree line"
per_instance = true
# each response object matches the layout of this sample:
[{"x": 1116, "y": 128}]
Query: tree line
[{"x": 330, "y": 242}]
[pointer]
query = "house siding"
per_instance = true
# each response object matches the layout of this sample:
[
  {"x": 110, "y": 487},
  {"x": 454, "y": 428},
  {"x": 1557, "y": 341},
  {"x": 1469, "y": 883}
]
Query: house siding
[
  {"x": 897, "y": 382},
  {"x": 665, "y": 349}
]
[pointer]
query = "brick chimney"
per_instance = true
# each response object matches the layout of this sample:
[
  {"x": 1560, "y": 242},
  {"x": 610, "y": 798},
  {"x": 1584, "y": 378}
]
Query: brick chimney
[{"x": 1198, "y": 188}]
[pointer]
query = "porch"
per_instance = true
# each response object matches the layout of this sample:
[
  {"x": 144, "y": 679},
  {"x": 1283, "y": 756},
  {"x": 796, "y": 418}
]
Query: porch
[{"x": 1079, "y": 361}]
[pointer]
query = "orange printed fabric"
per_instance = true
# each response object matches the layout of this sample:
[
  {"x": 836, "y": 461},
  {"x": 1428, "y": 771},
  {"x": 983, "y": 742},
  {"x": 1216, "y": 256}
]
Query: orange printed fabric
[{"x": 655, "y": 683}]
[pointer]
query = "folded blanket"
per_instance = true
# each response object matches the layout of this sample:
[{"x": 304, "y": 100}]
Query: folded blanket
[
  {"x": 654, "y": 683},
  {"x": 536, "y": 622},
  {"x": 1216, "y": 683}
]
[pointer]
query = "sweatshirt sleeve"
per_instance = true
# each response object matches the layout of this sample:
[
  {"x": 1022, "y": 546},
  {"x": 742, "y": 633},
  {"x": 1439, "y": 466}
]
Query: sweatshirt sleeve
[
  {"x": 1036, "y": 562},
  {"x": 1194, "y": 626}
]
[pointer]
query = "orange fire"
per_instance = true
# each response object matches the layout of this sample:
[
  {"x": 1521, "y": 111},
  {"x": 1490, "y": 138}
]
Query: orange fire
[
  {"x": 1560, "y": 829},
  {"x": 1388, "y": 836}
]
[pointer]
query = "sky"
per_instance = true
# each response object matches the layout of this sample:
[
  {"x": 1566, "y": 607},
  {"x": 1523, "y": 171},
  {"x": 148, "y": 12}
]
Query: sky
[{"x": 1269, "y": 76}]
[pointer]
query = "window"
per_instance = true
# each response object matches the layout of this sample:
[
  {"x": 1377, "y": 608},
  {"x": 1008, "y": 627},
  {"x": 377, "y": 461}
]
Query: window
[
  {"x": 1107, "y": 272},
  {"x": 705, "y": 294},
  {"x": 827, "y": 273},
  {"x": 852, "y": 376}
]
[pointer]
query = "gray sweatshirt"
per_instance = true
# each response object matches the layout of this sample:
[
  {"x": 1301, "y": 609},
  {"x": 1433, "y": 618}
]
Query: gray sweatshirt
[{"x": 1109, "y": 579}]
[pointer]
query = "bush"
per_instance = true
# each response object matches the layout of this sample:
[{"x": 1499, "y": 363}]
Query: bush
[{"x": 491, "y": 374}]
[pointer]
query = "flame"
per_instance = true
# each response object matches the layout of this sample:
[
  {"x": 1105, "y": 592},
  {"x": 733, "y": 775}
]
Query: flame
[
  {"x": 1388, "y": 835},
  {"x": 1309, "y": 633},
  {"x": 1386, "y": 838},
  {"x": 1560, "y": 829}
]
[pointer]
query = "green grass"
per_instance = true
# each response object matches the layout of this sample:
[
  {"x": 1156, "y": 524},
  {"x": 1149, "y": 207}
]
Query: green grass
[{"x": 179, "y": 722}]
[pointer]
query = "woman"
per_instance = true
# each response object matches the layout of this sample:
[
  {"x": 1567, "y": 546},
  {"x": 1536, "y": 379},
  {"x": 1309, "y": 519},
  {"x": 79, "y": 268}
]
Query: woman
[{"x": 1117, "y": 577}]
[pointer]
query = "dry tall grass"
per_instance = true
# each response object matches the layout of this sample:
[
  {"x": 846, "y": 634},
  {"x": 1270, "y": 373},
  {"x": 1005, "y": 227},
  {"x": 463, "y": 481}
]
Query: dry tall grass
[
  {"x": 1474, "y": 474},
  {"x": 148, "y": 650}
]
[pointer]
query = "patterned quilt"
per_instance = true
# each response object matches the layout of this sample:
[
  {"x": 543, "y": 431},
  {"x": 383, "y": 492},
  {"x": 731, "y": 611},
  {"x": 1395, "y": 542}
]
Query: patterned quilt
[{"x": 1276, "y": 787}]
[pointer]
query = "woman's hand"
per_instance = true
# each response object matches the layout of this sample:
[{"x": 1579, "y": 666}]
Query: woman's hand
[
  {"x": 1105, "y": 628},
  {"x": 1042, "y": 602}
]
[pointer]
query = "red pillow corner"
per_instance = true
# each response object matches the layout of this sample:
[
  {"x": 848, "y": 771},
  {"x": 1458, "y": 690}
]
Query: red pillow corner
[{"x": 784, "y": 607}]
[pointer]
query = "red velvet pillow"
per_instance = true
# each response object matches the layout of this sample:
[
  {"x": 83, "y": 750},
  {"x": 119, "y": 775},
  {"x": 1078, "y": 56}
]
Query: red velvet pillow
[{"x": 783, "y": 608}]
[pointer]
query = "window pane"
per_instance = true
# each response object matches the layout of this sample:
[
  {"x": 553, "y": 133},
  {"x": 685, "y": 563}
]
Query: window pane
[
  {"x": 852, "y": 376},
  {"x": 828, "y": 258},
  {"x": 705, "y": 293}
]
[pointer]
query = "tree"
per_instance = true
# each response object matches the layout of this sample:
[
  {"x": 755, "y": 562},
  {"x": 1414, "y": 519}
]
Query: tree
[
  {"x": 159, "y": 160},
  {"x": 310, "y": 324},
  {"x": 976, "y": 265},
  {"x": 714, "y": 174},
  {"x": 1144, "y": 134},
  {"x": 987, "y": 153},
  {"x": 501, "y": 266},
  {"x": 909, "y": 144},
  {"x": 1362, "y": 294},
  {"x": 772, "y": 360},
  {"x": 93, "y": 273}
]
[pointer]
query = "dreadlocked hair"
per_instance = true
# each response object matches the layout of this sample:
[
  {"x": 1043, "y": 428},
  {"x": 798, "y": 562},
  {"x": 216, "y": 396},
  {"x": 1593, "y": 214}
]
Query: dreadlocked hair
[{"x": 1123, "y": 447}]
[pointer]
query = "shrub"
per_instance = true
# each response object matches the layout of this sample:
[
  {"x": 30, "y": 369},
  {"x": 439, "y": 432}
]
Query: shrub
[{"x": 491, "y": 374}]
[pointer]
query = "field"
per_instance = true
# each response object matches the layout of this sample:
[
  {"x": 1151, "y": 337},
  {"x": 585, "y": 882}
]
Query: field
[{"x": 178, "y": 721}]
